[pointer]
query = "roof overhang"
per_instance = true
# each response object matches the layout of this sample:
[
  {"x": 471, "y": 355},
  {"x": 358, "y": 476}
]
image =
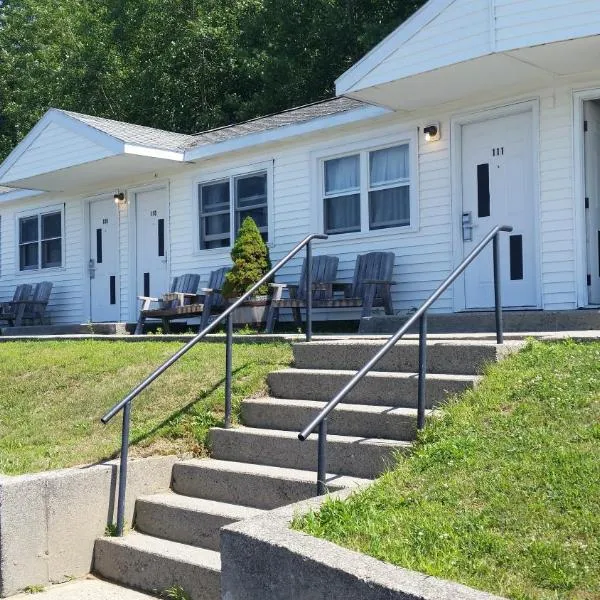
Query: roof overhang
[
  {"x": 525, "y": 69},
  {"x": 12, "y": 195},
  {"x": 62, "y": 154}
]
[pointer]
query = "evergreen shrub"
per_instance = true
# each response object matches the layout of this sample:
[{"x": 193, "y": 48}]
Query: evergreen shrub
[{"x": 251, "y": 261}]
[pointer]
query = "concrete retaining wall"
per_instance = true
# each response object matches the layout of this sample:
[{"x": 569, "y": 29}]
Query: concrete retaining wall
[
  {"x": 263, "y": 559},
  {"x": 49, "y": 521}
]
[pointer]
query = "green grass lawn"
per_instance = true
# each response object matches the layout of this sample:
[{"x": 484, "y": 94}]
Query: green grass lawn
[
  {"x": 52, "y": 395},
  {"x": 503, "y": 491}
]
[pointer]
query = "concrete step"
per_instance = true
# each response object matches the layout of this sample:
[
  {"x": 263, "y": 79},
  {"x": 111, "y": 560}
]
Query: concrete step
[
  {"x": 484, "y": 321},
  {"x": 155, "y": 565},
  {"x": 187, "y": 520},
  {"x": 361, "y": 420},
  {"x": 258, "y": 486},
  {"x": 377, "y": 388},
  {"x": 353, "y": 456},
  {"x": 451, "y": 356}
]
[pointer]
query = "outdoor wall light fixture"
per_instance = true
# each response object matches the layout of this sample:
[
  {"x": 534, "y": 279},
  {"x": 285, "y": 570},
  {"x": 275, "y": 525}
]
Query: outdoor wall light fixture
[
  {"x": 432, "y": 132},
  {"x": 119, "y": 198}
]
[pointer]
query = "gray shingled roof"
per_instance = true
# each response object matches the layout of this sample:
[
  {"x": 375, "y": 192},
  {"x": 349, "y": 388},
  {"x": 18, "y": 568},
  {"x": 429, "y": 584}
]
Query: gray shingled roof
[
  {"x": 167, "y": 140},
  {"x": 135, "y": 134},
  {"x": 293, "y": 116}
]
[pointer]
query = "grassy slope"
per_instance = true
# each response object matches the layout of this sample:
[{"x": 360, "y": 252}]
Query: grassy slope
[
  {"x": 52, "y": 395},
  {"x": 503, "y": 492}
]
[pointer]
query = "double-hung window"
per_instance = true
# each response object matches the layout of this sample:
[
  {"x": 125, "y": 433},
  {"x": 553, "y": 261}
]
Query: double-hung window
[
  {"x": 367, "y": 190},
  {"x": 40, "y": 241},
  {"x": 225, "y": 203},
  {"x": 342, "y": 194},
  {"x": 215, "y": 223}
]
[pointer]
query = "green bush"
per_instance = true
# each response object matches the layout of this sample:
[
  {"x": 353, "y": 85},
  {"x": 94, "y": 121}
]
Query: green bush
[{"x": 251, "y": 261}]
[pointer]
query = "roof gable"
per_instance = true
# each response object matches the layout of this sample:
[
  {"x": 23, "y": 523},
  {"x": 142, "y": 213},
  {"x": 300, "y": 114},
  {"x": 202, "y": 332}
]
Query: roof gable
[
  {"x": 397, "y": 38},
  {"x": 444, "y": 33},
  {"x": 64, "y": 140},
  {"x": 56, "y": 142}
]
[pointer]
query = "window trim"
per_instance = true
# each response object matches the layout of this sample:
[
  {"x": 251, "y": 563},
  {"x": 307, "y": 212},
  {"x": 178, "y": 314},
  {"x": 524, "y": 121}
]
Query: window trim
[
  {"x": 231, "y": 174},
  {"x": 222, "y": 211},
  {"x": 236, "y": 208},
  {"x": 39, "y": 212},
  {"x": 363, "y": 148}
]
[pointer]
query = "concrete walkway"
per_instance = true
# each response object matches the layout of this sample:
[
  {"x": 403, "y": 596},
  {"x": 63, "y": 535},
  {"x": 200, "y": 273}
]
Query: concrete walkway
[
  {"x": 87, "y": 589},
  {"x": 576, "y": 335}
]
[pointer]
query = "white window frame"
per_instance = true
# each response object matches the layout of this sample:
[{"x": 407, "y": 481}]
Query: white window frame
[
  {"x": 363, "y": 148},
  {"x": 39, "y": 213},
  {"x": 203, "y": 215},
  {"x": 231, "y": 175}
]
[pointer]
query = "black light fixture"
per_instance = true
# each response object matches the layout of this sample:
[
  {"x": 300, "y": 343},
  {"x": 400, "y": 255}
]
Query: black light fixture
[
  {"x": 119, "y": 198},
  {"x": 432, "y": 132}
]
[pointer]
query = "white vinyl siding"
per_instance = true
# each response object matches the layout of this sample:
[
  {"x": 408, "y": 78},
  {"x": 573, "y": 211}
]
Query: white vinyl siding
[
  {"x": 522, "y": 23},
  {"x": 423, "y": 255},
  {"x": 124, "y": 260},
  {"x": 557, "y": 223},
  {"x": 55, "y": 148},
  {"x": 69, "y": 300}
]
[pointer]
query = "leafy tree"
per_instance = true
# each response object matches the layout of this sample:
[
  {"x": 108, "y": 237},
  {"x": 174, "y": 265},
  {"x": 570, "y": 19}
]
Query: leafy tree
[
  {"x": 181, "y": 65},
  {"x": 51, "y": 54},
  {"x": 251, "y": 261}
]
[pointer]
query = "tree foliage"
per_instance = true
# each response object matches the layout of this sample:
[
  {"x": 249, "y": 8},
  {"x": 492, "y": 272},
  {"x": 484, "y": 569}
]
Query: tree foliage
[
  {"x": 251, "y": 261},
  {"x": 181, "y": 65}
]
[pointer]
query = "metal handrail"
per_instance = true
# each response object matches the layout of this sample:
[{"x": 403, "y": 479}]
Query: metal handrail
[
  {"x": 125, "y": 403},
  {"x": 320, "y": 420}
]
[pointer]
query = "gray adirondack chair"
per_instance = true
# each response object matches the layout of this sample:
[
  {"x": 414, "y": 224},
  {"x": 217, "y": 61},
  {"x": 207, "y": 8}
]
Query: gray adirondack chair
[
  {"x": 211, "y": 296},
  {"x": 185, "y": 300},
  {"x": 181, "y": 294},
  {"x": 12, "y": 311},
  {"x": 324, "y": 269},
  {"x": 35, "y": 307},
  {"x": 370, "y": 285}
]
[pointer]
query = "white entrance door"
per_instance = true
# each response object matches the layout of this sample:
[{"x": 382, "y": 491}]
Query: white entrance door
[
  {"x": 497, "y": 180},
  {"x": 592, "y": 194},
  {"x": 104, "y": 261},
  {"x": 152, "y": 277}
]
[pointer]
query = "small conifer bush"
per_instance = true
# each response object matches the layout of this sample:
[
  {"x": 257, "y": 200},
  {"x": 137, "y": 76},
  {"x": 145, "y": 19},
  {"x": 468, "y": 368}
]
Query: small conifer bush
[{"x": 251, "y": 261}]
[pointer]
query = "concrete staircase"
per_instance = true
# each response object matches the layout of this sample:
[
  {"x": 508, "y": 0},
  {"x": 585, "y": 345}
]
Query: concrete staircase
[{"x": 262, "y": 465}]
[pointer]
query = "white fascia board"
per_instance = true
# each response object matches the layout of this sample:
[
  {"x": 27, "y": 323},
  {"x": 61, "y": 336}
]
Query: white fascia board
[
  {"x": 345, "y": 82},
  {"x": 58, "y": 116},
  {"x": 153, "y": 152},
  {"x": 285, "y": 132},
  {"x": 18, "y": 195}
]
